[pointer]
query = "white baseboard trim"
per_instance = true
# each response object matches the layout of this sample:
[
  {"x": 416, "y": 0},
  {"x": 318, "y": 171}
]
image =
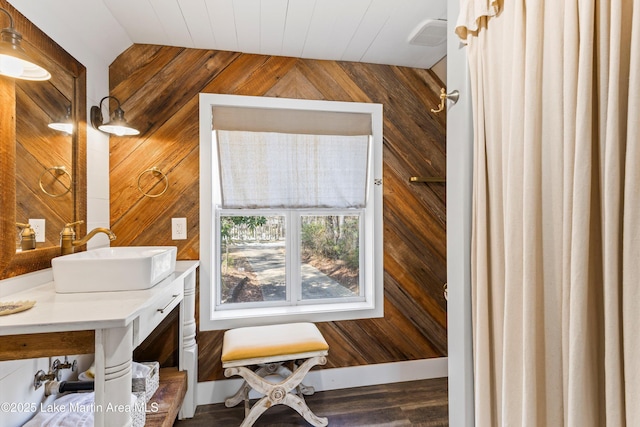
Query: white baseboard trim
[{"x": 337, "y": 378}]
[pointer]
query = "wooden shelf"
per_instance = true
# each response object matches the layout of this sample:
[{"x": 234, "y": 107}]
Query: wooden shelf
[{"x": 168, "y": 397}]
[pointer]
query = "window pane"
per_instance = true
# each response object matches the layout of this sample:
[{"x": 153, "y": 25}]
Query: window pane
[
  {"x": 330, "y": 256},
  {"x": 252, "y": 264}
]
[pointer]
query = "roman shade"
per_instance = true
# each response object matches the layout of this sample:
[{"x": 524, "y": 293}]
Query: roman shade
[{"x": 285, "y": 170}]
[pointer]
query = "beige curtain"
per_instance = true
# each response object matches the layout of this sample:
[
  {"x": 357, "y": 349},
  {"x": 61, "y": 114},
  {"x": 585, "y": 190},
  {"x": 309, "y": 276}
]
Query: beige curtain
[{"x": 556, "y": 221}]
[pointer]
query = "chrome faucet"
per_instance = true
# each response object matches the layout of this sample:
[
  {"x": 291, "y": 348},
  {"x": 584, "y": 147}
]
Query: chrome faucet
[{"x": 68, "y": 235}]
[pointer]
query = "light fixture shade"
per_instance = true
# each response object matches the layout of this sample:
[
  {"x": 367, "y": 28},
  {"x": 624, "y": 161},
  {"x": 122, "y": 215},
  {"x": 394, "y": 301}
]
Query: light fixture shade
[
  {"x": 64, "y": 124},
  {"x": 14, "y": 61},
  {"x": 117, "y": 126}
]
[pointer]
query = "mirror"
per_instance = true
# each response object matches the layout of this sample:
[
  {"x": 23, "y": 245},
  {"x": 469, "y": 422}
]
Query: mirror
[
  {"x": 44, "y": 156},
  {"x": 42, "y": 170}
]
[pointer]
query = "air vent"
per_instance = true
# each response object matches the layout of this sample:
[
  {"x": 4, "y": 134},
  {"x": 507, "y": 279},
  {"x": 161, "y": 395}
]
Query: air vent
[{"x": 430, "y": 33}]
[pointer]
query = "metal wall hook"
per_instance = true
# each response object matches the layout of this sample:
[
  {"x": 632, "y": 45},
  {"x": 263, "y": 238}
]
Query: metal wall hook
[{"x": 453, "y": 96}]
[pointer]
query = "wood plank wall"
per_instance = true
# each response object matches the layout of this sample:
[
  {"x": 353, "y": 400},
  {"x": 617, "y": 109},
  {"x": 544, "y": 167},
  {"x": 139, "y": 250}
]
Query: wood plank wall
[{"x": 158, "y": 87}]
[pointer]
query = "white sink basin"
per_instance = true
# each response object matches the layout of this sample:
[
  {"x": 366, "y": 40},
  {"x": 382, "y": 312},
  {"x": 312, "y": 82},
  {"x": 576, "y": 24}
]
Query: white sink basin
[{"x": 123, "y": 268}]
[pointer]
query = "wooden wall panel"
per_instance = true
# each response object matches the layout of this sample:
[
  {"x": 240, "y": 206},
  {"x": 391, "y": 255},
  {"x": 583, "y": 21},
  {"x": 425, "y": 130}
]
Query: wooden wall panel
[{"x": 159, "y": 86}]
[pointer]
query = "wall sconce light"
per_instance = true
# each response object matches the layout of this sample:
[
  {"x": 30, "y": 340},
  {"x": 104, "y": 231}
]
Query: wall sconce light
[
  {"x": 63, "y": 124},
  {"x": 14, "y": 61},
  {"x": 117, "y": 126}
]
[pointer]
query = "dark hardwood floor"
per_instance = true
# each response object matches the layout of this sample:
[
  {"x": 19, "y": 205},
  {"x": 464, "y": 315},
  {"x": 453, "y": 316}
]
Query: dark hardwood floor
[{"x": 414, "y": 403}]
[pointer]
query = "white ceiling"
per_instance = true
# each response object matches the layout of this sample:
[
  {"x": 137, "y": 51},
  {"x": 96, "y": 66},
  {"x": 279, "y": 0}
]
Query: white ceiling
[{"x": 375, "y": 31}]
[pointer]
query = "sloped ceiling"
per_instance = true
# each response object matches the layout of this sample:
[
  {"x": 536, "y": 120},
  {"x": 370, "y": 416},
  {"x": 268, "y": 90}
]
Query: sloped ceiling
[{"x": 375, "y": 31}]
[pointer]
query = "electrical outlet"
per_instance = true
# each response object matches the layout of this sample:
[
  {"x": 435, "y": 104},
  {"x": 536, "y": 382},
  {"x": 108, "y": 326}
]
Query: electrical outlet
[
  {"x": 179, "y": 228},
  {"x": 38, "y": 227}
]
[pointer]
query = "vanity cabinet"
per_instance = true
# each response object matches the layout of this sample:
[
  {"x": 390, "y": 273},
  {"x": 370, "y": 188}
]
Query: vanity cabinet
[{"x": 120, "y": 321}]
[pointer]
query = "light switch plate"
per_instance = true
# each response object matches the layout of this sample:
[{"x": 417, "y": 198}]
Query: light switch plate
[
  {"x": 179, "y": 228},
  {"x": 38, "y": 227}
]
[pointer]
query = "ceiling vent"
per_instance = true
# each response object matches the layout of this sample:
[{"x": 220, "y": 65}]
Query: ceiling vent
[{"x": 430, "y": 33}]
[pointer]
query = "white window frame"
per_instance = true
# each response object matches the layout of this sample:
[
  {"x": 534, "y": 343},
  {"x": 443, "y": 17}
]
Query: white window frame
[{"x": 213, "y": 318}]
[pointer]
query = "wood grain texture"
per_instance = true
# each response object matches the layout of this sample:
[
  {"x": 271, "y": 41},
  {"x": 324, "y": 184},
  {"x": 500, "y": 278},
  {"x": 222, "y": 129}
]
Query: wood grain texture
[
  {"x": 165, "y": 403},
  {"x": 159, "y": 88},
  {"x": 38, "y": 149},
  {"x": 411, "y": 404},
  {"x": 13, "y": 347},
  {"x": 7, "y": 171}
]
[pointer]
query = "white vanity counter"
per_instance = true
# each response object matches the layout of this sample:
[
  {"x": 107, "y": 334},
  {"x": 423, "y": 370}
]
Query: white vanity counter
[
  {"x": 81, "y": 311},
  {"x": 121, "y": 321}
]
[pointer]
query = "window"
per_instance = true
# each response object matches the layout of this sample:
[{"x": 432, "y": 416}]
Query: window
[
  {"x": 291, "y": 210},
  {"x": 287, "y": 259}
]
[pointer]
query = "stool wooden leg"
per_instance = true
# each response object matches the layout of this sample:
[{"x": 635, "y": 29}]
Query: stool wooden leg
[
  {"x": 277, "y": 393},
  {"x": 255, "y": 412},
  {"x": 307, "y": 390},
  {"x": 300, "y": 406},
  {"x": 241, "y": 394}
]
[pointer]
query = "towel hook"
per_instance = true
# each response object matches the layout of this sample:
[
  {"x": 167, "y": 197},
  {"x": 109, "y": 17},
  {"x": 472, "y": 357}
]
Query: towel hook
[{"x": 453, "y": 96}]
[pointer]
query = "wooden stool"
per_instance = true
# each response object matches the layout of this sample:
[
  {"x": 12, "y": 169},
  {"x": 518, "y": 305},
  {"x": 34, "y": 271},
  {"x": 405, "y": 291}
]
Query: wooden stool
[{"x": 268, "y": 348}]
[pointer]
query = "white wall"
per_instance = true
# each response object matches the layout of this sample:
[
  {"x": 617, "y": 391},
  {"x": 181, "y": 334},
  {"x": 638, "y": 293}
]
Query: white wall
[
  {"x": 441, "y": 69},
  {"x": 16, "y": 377},
  {"x": 459, "y": 193}
]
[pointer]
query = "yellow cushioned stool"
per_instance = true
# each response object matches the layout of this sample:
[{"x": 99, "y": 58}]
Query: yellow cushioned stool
[{"x": 269, "y": 348}]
